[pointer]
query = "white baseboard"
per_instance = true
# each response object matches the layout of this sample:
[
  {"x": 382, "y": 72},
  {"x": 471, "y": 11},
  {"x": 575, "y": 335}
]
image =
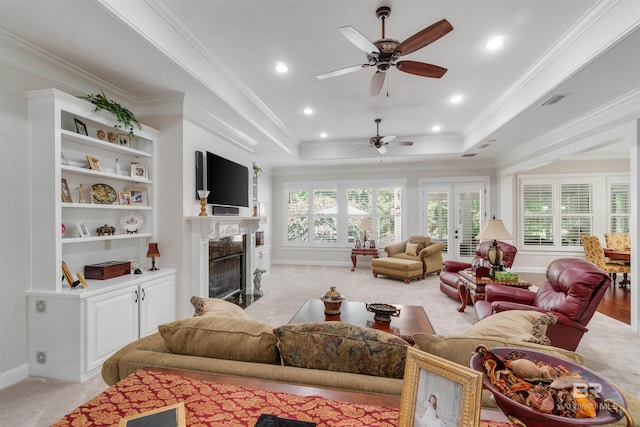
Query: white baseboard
[{"x": 14, "y": 375}]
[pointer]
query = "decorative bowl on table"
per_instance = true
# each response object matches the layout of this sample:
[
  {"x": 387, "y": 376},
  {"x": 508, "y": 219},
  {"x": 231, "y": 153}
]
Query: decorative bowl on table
[
  {"x": 383, "y": 312},
  {"x": 332, "y": 301},
  {"x": 611, "y": 405}
]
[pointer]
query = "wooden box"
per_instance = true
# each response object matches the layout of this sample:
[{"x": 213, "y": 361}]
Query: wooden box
[{"x": 107, "y": 270}]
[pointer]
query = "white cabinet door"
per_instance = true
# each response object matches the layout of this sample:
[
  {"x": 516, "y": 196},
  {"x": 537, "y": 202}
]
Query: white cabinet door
[
  {"x": 112, "y": 322},
  {"x": 157, "y": 304}
]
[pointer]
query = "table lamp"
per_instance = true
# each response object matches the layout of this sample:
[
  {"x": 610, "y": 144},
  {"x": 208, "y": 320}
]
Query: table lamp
[
  {"x": 153, "y": 253},
  {"x": 494, "y": 230},
  {"x": 366, "y": 226},
  {"x": 203, "y": 194}
]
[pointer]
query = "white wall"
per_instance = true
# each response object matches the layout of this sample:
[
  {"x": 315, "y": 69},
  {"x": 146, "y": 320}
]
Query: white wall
[{"x": 14, "y": 217}]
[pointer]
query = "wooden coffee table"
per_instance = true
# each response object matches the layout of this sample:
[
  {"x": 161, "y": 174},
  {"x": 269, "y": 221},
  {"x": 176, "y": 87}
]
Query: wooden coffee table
[
  {"x": 472, "y": 287},
  {"x": 412, "y": 319}
]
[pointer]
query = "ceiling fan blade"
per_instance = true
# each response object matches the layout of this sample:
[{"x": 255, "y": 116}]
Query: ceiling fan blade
[
  {"x": 377, "y": 80},
  {"x": 424, "y": 37},
  {"x": 405, "y": 143},
  {"x": 341, "y": 71},
  {"x": 421, "y": 69},
  {"x": 388, "y": 138},
  {"x": 359, "y": 40}
]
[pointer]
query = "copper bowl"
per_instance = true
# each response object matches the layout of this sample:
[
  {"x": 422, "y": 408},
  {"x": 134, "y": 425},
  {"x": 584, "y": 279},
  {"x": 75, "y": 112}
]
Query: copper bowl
[{"x": 609, "y": 396}]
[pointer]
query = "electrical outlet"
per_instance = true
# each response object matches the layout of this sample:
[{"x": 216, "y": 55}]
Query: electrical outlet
[
  {"x": 41, "y": 306},
  {"x": 41, "y": 357}
]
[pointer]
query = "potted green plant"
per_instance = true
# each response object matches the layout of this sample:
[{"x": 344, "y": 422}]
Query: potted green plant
[
  {"x": 124, "y": 118},
  {"x": 257, "y": 170}
]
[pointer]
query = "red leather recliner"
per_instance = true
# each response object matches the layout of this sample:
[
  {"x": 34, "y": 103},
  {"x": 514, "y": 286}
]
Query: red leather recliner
[
  {"x": 572, "y": 292},
  {"x": 449, "y": 274}
]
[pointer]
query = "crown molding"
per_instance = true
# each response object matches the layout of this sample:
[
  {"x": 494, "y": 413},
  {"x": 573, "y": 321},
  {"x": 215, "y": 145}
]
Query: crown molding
[{"x": 605, "y": 24}]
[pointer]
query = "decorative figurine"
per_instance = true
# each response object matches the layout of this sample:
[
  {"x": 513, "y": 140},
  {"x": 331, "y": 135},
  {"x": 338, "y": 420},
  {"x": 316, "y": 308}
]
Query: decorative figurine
[
  {"x": 80, "y": 189},
  {"x": 257, "y": 279}
]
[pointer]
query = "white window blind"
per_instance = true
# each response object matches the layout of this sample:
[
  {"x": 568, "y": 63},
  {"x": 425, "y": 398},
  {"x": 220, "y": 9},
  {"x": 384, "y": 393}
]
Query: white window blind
[
  {"x": 297, "y": 216},
  {"x": 325, "y": 216},
  {"x": 537, "y": 200},
  {"x": 619, "y": 207},
  {"x": 388, "y": 215},
  {"x": 359, "y": 207},
  {"x": 438, "y": 217},
  {"x": 576, "y": 212}
]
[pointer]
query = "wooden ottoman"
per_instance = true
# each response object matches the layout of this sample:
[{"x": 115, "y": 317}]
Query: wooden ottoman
[{"x": 397, "y": 267}]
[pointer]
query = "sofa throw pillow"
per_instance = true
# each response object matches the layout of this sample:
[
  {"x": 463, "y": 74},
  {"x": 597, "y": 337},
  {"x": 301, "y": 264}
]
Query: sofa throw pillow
[
  {"x": 515, "y": 325},
  {"x": 460, "y": 349},
  {"x": 342, "y": 347},
  {"x": 422, "y": 242},
  {"x": 221, "y": 338},
  {"x": 412, "y": 249},
  {"x": 217, "y": 307}
]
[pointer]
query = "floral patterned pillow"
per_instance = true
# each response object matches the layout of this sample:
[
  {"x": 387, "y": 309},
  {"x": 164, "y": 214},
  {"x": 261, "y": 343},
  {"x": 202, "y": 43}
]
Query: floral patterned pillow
[{"x": 342, "y": 347}]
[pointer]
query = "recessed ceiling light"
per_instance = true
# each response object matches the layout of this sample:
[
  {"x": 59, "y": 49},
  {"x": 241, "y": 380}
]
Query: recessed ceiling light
[
  {"x": 281, "y": 67},
  {"x": 456, "y": 99},
  {"x": 323, "y": 135},
  {"x": 308, "y": 111},
  {"x": 495, "y": 43},
  {"x": 436, "y": 128}
]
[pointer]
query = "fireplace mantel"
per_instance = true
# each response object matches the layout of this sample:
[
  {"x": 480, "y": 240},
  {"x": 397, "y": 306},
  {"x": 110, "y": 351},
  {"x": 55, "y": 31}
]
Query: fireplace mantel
[
  {"x": 205, "y": 228},
  {"x": 216, "y": 227}
]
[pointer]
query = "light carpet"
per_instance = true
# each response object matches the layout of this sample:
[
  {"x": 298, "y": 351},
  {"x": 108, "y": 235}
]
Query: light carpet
[{"x": 610, "y": 346}]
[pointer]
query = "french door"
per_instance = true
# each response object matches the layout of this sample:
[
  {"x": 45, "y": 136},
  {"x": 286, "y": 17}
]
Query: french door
[{"x": 453, "y": 213}]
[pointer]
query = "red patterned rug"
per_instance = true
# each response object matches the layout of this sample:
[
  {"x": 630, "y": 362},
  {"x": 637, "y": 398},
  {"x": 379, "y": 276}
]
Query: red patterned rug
[{"x": 216, "y": 404}]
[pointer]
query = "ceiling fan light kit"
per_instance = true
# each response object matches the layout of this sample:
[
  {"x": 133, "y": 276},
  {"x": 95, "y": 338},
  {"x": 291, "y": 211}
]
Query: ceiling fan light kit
[{"x": 387, "y": 52}]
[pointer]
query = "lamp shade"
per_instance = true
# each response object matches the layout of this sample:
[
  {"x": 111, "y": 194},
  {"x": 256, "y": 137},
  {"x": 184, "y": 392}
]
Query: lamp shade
[
  {"x": 203, "y": 193},
  {"x": 153, "y": 251},
  {"x": 365, "y": 224},
  {"x": 494, "y": 229}
]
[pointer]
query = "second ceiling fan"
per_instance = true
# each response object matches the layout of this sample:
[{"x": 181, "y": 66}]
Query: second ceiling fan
[
  {"x": 380, "y": 142},
  {"x": 386, "y": 52}
]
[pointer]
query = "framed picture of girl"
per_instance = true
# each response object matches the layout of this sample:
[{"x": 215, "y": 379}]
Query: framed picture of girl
[{"x": 439, "y": 393}]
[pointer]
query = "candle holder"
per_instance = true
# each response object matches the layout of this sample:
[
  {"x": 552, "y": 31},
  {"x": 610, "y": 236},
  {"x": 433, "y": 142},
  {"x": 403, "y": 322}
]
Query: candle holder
[{"x": 203, "y": 194}]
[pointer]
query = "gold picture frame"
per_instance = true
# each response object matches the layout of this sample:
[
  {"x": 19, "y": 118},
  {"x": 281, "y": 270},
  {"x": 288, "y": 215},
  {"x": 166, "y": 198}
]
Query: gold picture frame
[
  {"x": 435, "y": 388},
  {"x": 174, "y": 415},
  {"x": 94, "y": 164},
  {"x": 66, "y": 193},
  {"x": 124, "y": 198}
]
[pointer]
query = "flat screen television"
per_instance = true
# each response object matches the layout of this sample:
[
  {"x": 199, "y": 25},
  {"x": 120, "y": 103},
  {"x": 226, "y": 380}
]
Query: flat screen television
[{"x": 227, "y": 182}]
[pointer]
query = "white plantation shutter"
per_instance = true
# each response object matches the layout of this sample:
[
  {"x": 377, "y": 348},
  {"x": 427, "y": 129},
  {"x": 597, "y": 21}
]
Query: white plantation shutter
[
  {"x": 388, "y": 218},
  {"x": 576, "y": 212},
  {"x": 537, "y": 200},
  {"x": 325, "y": 216},
  {"x": 438, "y": 217},
  {"x": 469, "y": 207},
  {"x": 297, "y": 216},
  {"x": 619, "y": 207},
  {"x": 359, "y": 207}
]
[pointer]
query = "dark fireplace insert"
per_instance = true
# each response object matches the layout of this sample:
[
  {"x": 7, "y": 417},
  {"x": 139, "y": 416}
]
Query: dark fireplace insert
[{"x": 226, "y": 267}]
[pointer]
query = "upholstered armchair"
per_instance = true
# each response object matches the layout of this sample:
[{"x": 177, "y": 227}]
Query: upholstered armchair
[
  {"x": 449, "y": 274},
  {"x": 617, "y": 241},
  {"x": 572, "y": 292},
  {"x": 595, "y": 254},
  {"x": 419, "y": 248}
]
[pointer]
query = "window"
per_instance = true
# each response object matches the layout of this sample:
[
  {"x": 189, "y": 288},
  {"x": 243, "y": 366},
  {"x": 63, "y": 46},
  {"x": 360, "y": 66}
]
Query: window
[
  {"x": 556, "y": 212},
  {"x": 321, "y": 215},
  {"x": 619, "y": 207},
  {"x": 437, "y": 217}
]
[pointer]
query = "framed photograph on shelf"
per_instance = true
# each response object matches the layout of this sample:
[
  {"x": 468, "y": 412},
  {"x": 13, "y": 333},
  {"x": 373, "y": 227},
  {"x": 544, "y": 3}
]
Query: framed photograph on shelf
[
  {"x": 138, "y": 196},
  {"x": 439, "y": 392},
  {"x": 124, "y": 198},
  {"x": 80, "y": 127},
  {"x": 83, "y": 231},
  {"x": 94, "y": 164},
  {"x": 66, "y": 194},
  {"x": 139, "y": 170}
]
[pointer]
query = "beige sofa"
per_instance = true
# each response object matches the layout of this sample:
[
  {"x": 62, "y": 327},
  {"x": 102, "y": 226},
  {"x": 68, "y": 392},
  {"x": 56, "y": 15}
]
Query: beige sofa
[
  {"x": 243, "y": 347},
  {"x": 427, "y": 252}
]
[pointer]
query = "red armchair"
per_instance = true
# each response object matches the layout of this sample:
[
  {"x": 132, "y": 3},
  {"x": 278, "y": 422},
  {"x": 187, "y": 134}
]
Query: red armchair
[
  {"x": 572, "y": 292},
  {"x": 449, "y": 274}
]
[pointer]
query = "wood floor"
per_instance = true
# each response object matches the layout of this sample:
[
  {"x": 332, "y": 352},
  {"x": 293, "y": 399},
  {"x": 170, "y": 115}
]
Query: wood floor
[{"x": 616, "y": 303}]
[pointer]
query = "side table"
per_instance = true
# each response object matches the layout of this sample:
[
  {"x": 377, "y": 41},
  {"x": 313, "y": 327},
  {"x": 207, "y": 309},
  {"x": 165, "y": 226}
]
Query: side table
[
  {"x": 472, "y": 287},
  {"x": 362, "y": 251}
]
